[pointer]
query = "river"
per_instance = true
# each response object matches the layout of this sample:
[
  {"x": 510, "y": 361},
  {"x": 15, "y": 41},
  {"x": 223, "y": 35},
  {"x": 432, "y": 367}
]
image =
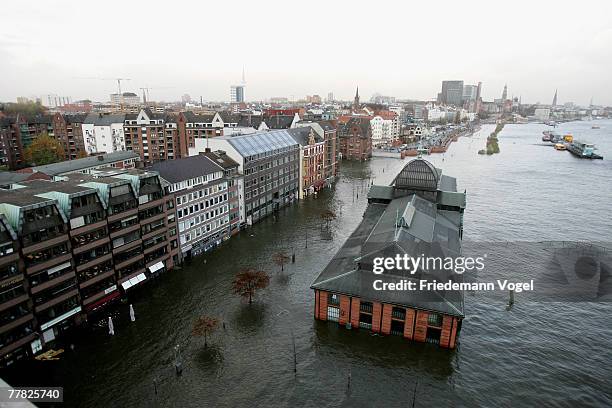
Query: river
[{"x": 537, "y": 354}]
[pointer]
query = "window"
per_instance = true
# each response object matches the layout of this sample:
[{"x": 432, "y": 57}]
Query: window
[
  {"x": 333, "y": 313},
  {"x": 333, "y": 299}
]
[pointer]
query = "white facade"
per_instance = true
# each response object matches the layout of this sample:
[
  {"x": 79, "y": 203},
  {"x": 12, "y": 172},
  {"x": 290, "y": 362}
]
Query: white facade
[
  {"x": 542, "y": 113},
  {"x": 103, "y": 138}
]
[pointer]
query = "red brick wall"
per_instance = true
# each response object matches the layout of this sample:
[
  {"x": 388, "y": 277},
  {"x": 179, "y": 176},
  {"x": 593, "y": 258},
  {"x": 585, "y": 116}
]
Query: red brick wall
[
  {"x": 447, "y": 322},
  {"x": 322, "y": 305},
  {"x": 453, "y": 340},
  {"x": 420, "y": 332},
  {"x": 386, "y": 319},
  {"x": 355, "y": 312},
  {"x": 376, "y": 312},
  {"x": 409, "y": 324},
  {"x": 345, "y": 309},
  {"x": 316, "y": 309}
]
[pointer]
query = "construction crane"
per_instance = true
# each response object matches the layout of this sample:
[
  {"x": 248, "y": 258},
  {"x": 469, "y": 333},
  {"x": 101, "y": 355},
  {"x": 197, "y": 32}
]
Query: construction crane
[
  {"x": 145, "y": 97},
  {"x": 110, "y": 79}
]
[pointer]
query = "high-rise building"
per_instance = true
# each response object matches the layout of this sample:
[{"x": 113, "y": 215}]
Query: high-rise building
[
  {"x": 554, "y": 102},
  {"x": 330, "y": 97},
  {"x": 470, "y": 92},
  {"x": 452, "y": 93},
  {"x": 237, "y": 93}
]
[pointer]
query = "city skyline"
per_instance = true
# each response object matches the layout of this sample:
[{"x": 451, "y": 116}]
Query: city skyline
[{"x": 51, "y": 49}]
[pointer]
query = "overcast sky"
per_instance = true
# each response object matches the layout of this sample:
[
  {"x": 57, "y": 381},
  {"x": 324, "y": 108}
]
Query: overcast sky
[{"x": 292, "y": 49}]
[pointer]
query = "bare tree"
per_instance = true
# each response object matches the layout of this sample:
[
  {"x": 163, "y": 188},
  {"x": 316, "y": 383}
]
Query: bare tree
[
  {"x": 328, "y": 216},
  {"x": 203, "y": 326},
  {"x": 248, "y": 281},
  {"x": 281, "y": 258}
]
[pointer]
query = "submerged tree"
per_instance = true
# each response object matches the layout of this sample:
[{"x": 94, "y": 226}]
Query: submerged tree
[
  {"x": 248, "y": 281},
  {"x": 203, "y": 326},
  {"x": 43, "y": 150},
  {"x": 281, "y": 258},
  {"x": 328, "y": 216}
]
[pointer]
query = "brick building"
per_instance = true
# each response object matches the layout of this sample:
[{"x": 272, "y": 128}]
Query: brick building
[
  {"x": 355, "y": 138},
  {"x": 312, "y": 159},
  {"x": 80, "y": 244},
  {"x": 68, "y": 130},
  {"x": 420, "y": 214},
  {"x": 154, "y": 136}
]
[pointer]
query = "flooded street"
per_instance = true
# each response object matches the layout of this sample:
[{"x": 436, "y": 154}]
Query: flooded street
[{"x": 535, "y": 354}]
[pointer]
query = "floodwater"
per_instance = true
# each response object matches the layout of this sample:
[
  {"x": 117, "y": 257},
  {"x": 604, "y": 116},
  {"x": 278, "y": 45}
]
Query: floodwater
[{"x": 536, "y": 354}]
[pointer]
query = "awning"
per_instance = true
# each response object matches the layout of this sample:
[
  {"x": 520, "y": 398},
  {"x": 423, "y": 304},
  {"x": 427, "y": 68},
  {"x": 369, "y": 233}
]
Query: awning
[
  {"x": 156, "y": 267},
  {"x": 102, "y": 301},
  {"x": 58, "y": 319},
  {"x": 134, "y": 281}
]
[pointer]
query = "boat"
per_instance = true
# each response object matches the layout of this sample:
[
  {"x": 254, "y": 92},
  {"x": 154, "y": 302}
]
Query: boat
[
  {"x": 560, "y": 146},
  {"x": 594, "y": 127},
  {"x": 583, "y": 150}
]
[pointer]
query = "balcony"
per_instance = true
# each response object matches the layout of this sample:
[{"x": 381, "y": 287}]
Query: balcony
[
  {"x": 120, "y": 231},
  {"x": 91, "y": 245},
  {"x": 18, "y": 319},
  {"x": 88, "y": 227},
  {"x": 54, "y": 281},
  {"x": 122, "y": 213},
  {"x": 87, "y": 280},
  {"x": 48, "y": 264},
  {"x": 38, "y": 246},
  {"x": 97, "y": 260},
  {"x": 56, "y": 300}
]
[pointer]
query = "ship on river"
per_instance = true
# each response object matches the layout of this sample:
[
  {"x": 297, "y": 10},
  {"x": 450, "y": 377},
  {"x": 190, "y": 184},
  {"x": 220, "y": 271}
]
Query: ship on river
[{"x": 583, "y": 150}]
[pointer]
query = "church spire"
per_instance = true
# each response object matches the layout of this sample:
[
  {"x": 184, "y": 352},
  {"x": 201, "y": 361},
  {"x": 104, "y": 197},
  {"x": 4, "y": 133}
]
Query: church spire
[{"x": 356, "y": 102}]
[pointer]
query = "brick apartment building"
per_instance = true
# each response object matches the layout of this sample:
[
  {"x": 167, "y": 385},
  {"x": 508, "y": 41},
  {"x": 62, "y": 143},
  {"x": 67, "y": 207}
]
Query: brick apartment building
[
  {"x": 154, "y": 136},
  {"x": 355, "y": 138},
  {"x": 69, "y": 247},
  {"x": 68, "y": 130}
]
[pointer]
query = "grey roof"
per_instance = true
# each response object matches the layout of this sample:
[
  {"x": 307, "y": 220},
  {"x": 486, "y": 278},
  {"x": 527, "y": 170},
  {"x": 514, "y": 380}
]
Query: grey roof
[
  {"x": 422, "y": 231},
  {"x": 198, "y": 118},
  {"x": 72, "y": 166},
  {"x": 250, "y": 121},
  {"x": 381, "y": 192},
  {"x": 178, "y": 170},
  {"x": 302, "y": 135},
  {"x": 261, "y": 142},
  {"x": 279, "y": 121},
  {"x": 363, "y": 124},
  {"x": 221, "y": 158},
  {"x": 399, "y": 221},
  {"x": 100, "y": 119},
  {"x": 10, "y": 177}
]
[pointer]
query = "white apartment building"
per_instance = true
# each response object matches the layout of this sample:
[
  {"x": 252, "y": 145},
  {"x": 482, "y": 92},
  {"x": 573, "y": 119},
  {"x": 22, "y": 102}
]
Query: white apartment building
[
  {"x": 103, "y": 133},
  {"x": 202, "y": 202}
]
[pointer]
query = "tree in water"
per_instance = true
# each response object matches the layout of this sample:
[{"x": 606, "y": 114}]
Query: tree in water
[
  {"x": 44, "y": 150},
  {"x": 204, "y": 326},
  {"x": 248, "y": 281},
  {"x": 281, "y": 258},
  {"x": 328, "y": 216}
]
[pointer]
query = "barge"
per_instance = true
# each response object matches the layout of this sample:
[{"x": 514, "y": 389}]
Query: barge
[{"x": 583, "y": 150}]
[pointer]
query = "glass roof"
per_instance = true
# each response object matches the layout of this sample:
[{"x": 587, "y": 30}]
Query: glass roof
[{"x": 261, "y": 142}]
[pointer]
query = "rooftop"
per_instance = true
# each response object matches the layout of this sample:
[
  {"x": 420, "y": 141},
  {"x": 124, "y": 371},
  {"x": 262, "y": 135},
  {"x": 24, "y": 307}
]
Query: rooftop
[
  {"x": 175, "y": 171},
  {"x": 71, "y": 166}
]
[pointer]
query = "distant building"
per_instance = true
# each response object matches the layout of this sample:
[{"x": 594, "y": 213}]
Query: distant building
[
  {"x": 103, "y": 133},
  {"x": 312, "y": 159},
  {"x": 68, "y": 130},
  {"x": 237, "y": 93},
  {"x": 451, "y": 93},
  {"x": 17, "y": 133},
  {"x": 125, "y": 98},
  {"x": 330, "y": 97},
  {"x": 542, "y": 114},
  {"x": 470, "y": 92},
  {"x": 153, "y": 136},
  {"x": 356, "y": 138}
]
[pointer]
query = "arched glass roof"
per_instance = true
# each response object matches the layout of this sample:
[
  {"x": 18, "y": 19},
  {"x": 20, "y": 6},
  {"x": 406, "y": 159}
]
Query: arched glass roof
[{"x": 418, "y": 174}]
